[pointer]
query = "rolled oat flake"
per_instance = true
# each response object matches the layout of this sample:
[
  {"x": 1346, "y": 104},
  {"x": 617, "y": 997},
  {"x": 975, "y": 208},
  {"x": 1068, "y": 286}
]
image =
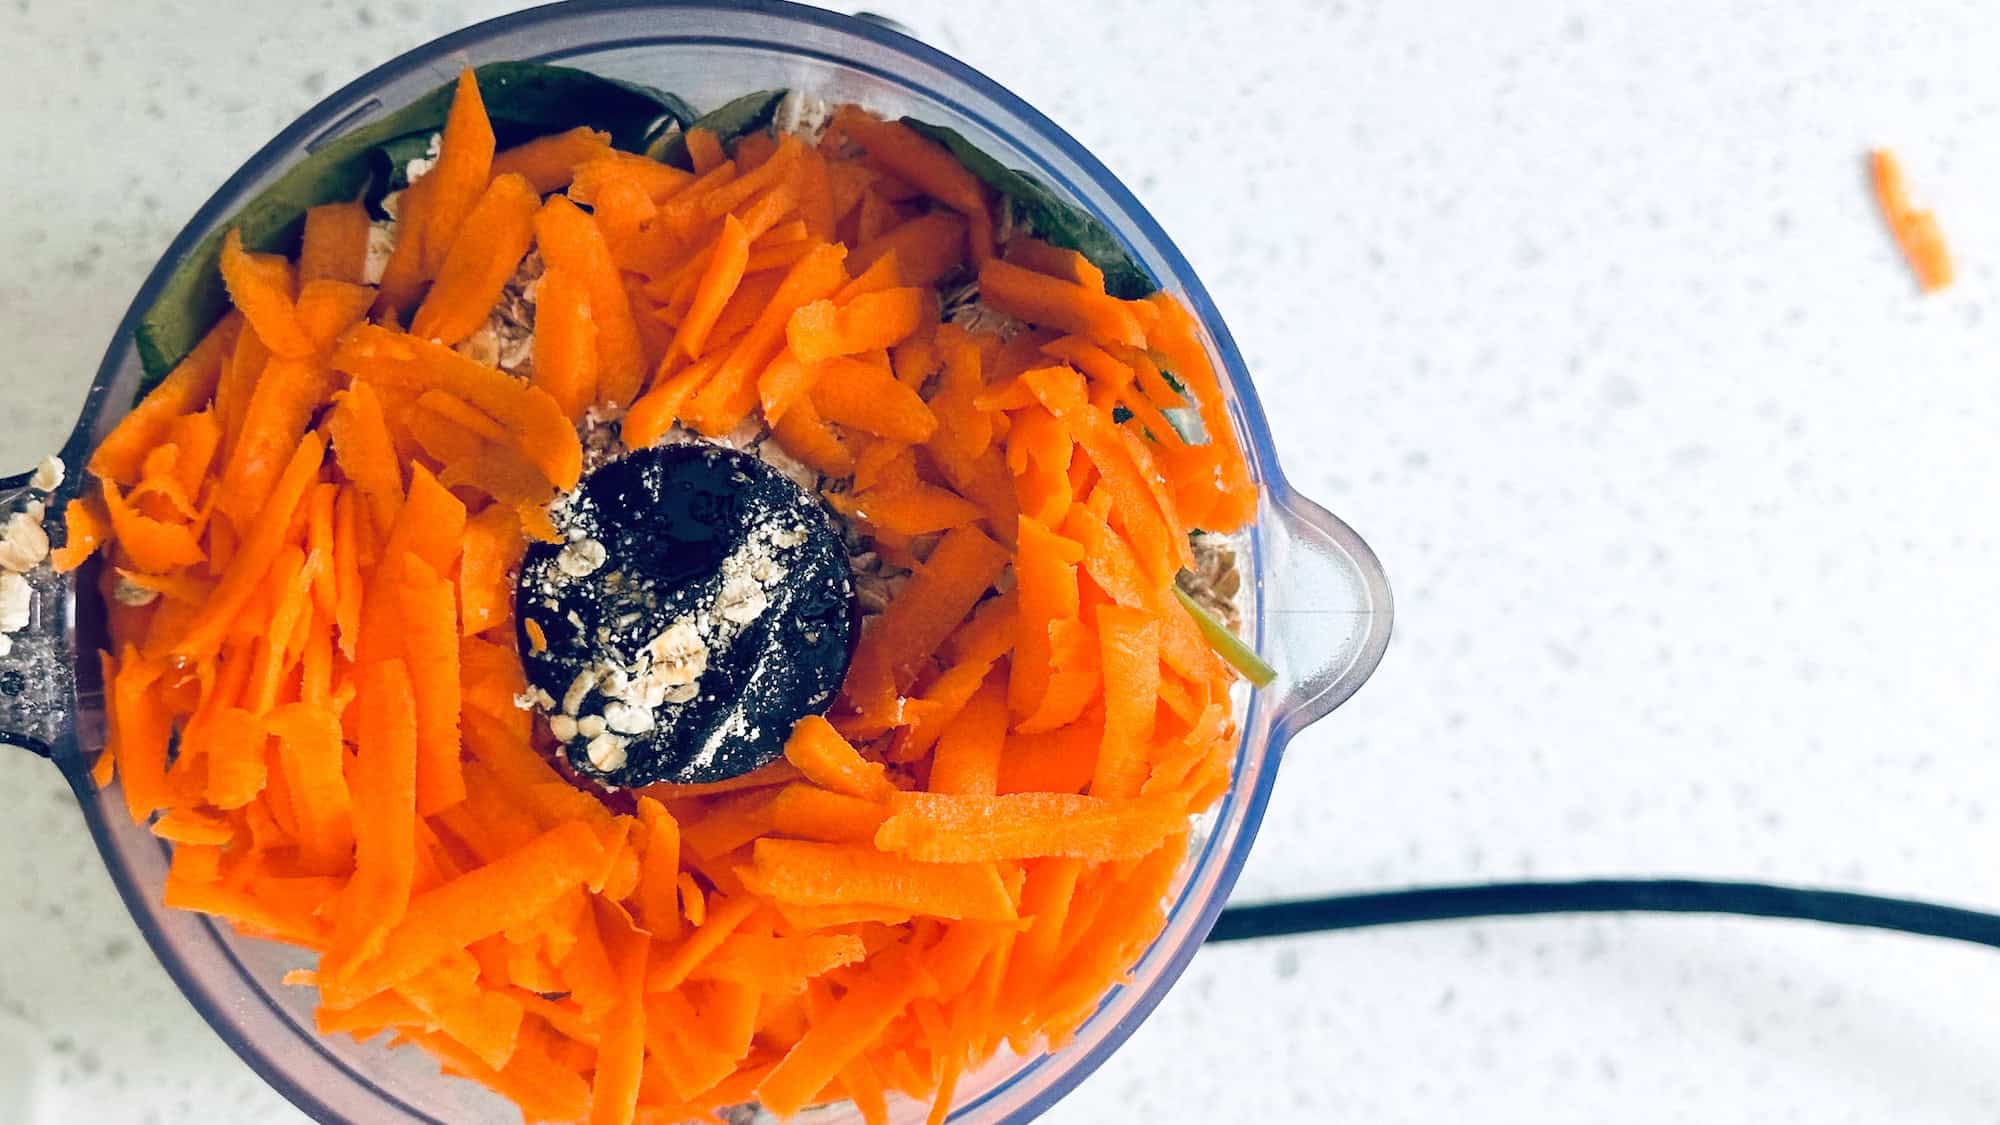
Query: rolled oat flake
[{"x": 699, "y": 604}]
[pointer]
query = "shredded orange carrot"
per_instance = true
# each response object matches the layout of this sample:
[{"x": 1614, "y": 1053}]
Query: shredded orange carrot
[
  {"x": 571, "y": 241},
  {"x": 968, "y": 751},
  {"x": 939, "y": 828},
  {"x": 958, "y": 573},
  {"x": 731, "y": 393},
  {"x": 814, "y": 874},
  {"x": 384, "y": 782},
  {"x": 704, "y": 150},
  {"x": 491, "y": 242},
  {"x": 1916, "y": 232},
  {"x": 319, "y": 706},
  {"x": 827, "y": 759},
  {"x": 719, "y": 279},
  {"x": 549, "y": 163},
  {"x": 263, "y": 288},
  {"x": 335, "y": 245},
  {"x": 430, "y": 635},
  {"x": 460, "y": 176}
]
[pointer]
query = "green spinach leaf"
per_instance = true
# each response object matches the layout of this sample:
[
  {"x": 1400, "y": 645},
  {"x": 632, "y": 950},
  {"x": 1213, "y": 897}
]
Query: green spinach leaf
[
  {"x": 1048, "y": 215},
  {"x": 523, "y": 100}
]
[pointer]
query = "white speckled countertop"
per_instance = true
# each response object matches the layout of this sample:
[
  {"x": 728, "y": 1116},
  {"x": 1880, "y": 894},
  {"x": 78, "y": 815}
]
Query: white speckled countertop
[{"x": 1580, "y": 313}]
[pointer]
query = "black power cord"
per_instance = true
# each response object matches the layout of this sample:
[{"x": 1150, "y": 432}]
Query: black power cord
[{"x": 1604, "y": 896}]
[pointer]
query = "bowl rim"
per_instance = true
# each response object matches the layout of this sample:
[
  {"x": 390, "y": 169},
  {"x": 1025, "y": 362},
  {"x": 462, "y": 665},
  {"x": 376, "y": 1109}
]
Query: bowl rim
[{"x": 1265, "y": 729}]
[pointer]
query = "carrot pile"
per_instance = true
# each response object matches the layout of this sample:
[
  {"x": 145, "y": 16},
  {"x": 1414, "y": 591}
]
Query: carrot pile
[
  {"x": 308, "y": 533},
  {"x": 1916, "y": 232}
]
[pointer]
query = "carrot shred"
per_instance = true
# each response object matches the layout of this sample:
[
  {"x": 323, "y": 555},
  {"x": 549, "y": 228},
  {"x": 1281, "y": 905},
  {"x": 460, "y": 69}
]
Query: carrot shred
[
  {"x": 614, "y": 1092},
  {"x": 806, "y": 436},
  {"x": 731, "y": 393},
  {"x": 550, "y": 162},
  {"x": 828, "y": 760},
  {"x": 704, "y": 150},
  {"x": 1131, "y": 663},
  {"x": 335, "y": 244},
  {"x": 1916, "y": 232},
  {"x": 463, "y": 169},
  {"x": 958, "y": 573},
  {"x": 403, "y": 275},
  {"x": 1057, "y": 262},
  {"x": 262, "y": 542},
  {"x": 969, "y": 749},
  {"x": 365, "y": 451},
  {"x": 871, "y": 399},
  {"x": 807, "y": 873},
  {"x": 384, "y": 783},
  {"x": 926, "y": 248},
  {"x": 86, "y": 525},
  {"x": 811, "y": 813},
  {"x": 280, "y": 409},
  {"x": 262, "y": 287},
  {"x": 153, "y": 545},
  {"x": 540, "y": 429},
  {"x": 660, "y": 181},
  {"x": 430, "y": 641},
  {"x": 719, "y": 279},
  {"x": 491, "y": 242},
  {"x": 941, "y": 828},
  {"x": 570, "y": 240},
  {"x": 493, "y": 546}
]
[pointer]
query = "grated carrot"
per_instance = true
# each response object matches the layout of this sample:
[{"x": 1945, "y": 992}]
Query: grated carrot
[
  {"x": 963, "y": 854},
  {"x": 1916, "y": 232}
]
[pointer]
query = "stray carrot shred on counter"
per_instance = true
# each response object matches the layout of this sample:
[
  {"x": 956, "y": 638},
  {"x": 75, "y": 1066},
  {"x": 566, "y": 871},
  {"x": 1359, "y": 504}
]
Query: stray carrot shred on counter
[
  {"x": 1916, "y": 232},
  {"x": 316, "y": 703}
]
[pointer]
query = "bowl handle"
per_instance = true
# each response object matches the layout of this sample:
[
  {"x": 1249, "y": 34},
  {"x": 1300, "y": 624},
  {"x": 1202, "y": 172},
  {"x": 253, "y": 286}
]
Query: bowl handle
[
  {"x": 38, "y": 670},
  {"x": 1326, "y": 607}
]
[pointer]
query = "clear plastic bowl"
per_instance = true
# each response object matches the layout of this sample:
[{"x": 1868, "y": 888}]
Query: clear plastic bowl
[{"x": 1321, "y": 605}]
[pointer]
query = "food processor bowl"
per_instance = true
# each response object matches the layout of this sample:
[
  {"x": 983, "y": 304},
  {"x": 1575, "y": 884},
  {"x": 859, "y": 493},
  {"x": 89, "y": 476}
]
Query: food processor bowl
[{"x": 1319, "y": 606}]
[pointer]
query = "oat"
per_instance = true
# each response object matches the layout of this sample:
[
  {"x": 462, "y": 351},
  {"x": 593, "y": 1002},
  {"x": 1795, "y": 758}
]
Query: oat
[
  {"x": 979, "y": 317},
  {"x": 48, "y": 475},
  {"x": 507, "y": 339},
  {"x": 481, "y": 347},
  {"x": 124, "y": 591},
  {"x": 381, "y": 244},
  {"x": 16, "y": 602},
  {"x": 606, "y": 752},
  {"x": 1215, "y": 581},
  {"x": 602, "y": 443},
  {"x": 23, "y": 543},
  {"x": 579, "y": 690},
  {"x": 1003, "y": 231},
  {"x": 871, "y": 592},
  {"x": 803, "y": 115},
  {"x": 581, "y": 558},
  {"x": 742, "y": 600},
  {"x": 416, "y": 168},
  {"x": 534, "y": 698},
  {"x": 623, "y": 718}
]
